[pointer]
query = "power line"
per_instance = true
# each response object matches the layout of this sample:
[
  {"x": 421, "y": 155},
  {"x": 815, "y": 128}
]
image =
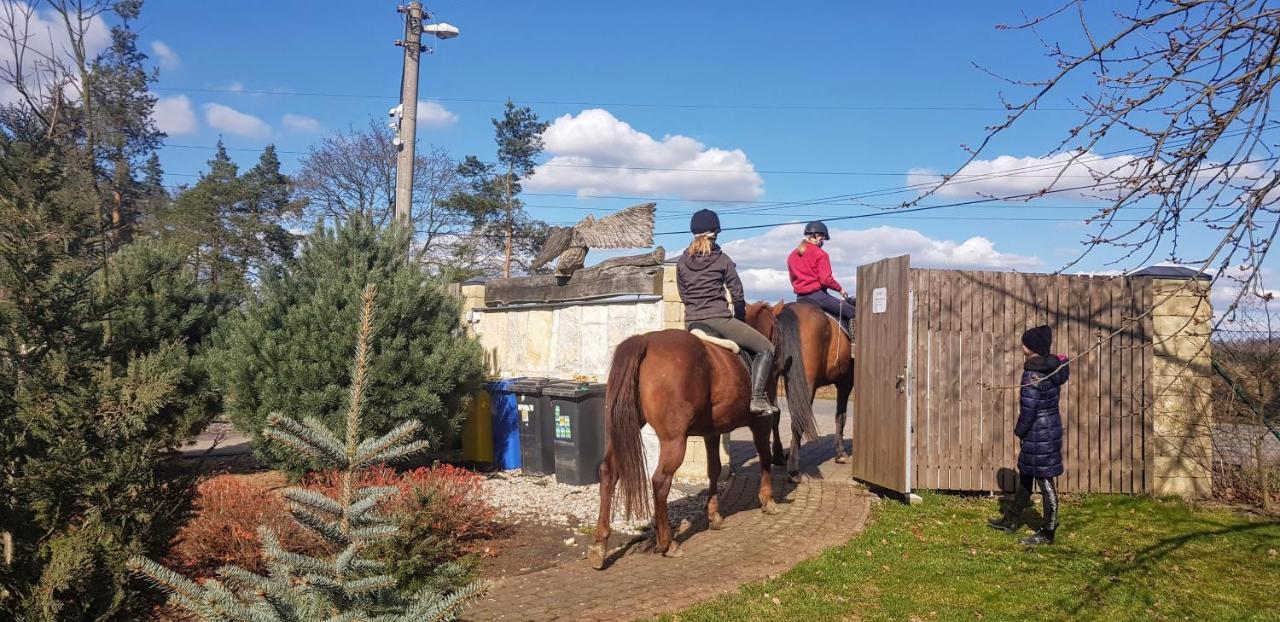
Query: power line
[
  {"x": 885, "y": 213},
  {"x": 625, "y": 167},
  {"x": 625, "y": 104}
]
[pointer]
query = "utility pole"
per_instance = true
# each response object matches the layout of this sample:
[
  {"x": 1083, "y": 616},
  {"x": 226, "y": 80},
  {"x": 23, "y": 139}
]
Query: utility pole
[{"x": 408, "y": 130}]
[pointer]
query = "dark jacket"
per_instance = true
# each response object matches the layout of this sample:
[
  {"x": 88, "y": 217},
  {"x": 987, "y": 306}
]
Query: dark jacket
[
  {"x": 702, "y": 281},
  {"x": 1039, "y": 421}
]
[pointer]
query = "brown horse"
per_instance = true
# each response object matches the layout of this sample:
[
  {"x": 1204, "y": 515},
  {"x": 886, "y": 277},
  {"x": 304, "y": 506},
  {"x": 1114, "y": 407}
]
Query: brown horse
[
  {"x": 764, "y": 318},
  {"x": 682, "y": 386},
  {"x": 812, "y": 352}
]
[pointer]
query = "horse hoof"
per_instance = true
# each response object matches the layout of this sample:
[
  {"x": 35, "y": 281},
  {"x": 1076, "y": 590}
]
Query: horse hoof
[
  {"x": 769, "y": 508},
  {"x": 674, "y": 551},
  {"x": 595, "y": 553},
  {"x": 716, "y": 522},
  {"x": 795, "y": 478},
  {"x": 842, "y": 459}
]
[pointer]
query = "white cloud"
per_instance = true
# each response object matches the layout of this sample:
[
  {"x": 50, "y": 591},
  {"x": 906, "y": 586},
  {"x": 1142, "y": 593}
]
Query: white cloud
[
  {"x": 45, "y": 35},
  {"x": 1083, "y": 176},
  {"x": 174, "y": 116},
  {"x": 235, "y": 87},
  {"x": 299, "y": 123},
  {"x": 595, "y": 153},
  {"x": 1076, "y": 175},
  {"x": 434, "y": 115},
  {"x": 165, "y": 55},
  {"x": 762, "y": 259},
  {"x": 232, "y": 121}
]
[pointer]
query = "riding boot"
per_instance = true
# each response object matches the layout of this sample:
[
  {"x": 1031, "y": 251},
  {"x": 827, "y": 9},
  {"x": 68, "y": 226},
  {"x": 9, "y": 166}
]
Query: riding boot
[{"x": 761, "y": 368}]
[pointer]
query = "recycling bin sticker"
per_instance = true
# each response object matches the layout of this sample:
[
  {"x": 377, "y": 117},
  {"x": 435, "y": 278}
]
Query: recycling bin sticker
[{"x": 563, "y": 430}]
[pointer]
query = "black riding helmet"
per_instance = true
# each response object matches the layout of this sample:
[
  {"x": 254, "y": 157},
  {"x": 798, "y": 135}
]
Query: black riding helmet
[
  {"x": 704, "y": 221},
  {"x": 817, "y": 228}
]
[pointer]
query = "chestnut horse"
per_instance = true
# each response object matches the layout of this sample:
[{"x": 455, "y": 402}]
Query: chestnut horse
[
  {"x": 682, "y": 386},
  {"x": 812, "y": 352},
  {"x": 764, "y": 318}
]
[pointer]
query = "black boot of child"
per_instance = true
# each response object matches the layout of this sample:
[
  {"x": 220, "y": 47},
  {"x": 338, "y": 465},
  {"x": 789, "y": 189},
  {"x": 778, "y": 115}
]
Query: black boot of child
[
  {"x": 1050, "y": 496},
  {"x": 1044, "y": 536},
  {"x": 1009, "y": 522}
]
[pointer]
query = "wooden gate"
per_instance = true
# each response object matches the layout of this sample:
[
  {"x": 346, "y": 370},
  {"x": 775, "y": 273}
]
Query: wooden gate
[{"x": 881, "y": 432}]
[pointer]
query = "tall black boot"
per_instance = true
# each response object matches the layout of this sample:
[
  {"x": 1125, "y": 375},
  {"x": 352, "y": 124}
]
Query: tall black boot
[
  {"x": 761, "y": 367},
  {"x": 1011, "y": 519},
  {"x": 1049, "y": 495}
]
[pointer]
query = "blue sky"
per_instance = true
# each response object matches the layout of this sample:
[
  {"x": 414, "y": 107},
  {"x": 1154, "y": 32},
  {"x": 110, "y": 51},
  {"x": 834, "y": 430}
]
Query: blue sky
[{"x": 796, "y": 101}]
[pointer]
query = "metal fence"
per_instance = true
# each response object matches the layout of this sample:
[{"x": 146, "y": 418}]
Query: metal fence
[{"x": 1246, "y": 412}]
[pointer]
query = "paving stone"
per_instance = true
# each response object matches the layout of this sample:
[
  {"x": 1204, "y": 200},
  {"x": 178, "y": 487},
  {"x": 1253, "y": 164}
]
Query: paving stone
[{"x": 818, "y": 514}]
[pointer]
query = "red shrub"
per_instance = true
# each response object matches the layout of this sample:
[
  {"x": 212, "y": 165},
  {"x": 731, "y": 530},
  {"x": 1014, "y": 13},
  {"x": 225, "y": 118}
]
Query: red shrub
[
  {"x": 441, "y": 511},
  {"x": 228, "y": 511},
  {"x": 456, "y": 496}
]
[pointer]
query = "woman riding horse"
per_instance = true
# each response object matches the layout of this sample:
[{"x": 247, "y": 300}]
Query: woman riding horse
[
  {"x": 702, "y": 275},
  {"x": 811, "y": 278}
]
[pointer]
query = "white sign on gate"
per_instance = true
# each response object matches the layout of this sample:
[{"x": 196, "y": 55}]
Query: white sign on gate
[{"x": 879, "y": 300}]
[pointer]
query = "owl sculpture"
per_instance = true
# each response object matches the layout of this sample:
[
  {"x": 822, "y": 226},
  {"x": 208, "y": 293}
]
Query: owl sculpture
[{"x": 629, "y": 228}]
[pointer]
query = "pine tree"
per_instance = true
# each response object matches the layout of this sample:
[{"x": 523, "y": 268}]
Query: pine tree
[
  {"x": 348, "y": 586},
  {"x": 285, "y": 349},
  {"x": 490, "y": 197},
  {"x": 233, "y": 223}
]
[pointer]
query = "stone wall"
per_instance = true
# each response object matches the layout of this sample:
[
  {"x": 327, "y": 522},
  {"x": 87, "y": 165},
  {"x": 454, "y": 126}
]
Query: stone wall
[
  {"x": 1181, "y": 384},
  {"x": 575, "y": 341}
]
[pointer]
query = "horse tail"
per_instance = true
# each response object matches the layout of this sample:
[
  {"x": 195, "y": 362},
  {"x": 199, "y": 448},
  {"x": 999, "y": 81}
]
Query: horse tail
[
  {"x": 791, "y": 358},
  {"x": 622, "y": 425}
]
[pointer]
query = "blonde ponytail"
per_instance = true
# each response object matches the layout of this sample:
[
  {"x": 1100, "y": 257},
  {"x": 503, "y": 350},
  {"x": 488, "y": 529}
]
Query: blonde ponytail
[{"x": 701, "y": 245}]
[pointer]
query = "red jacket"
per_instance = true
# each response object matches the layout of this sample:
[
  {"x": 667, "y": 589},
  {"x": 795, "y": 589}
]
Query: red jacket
[{"x": 811, "y": 271}]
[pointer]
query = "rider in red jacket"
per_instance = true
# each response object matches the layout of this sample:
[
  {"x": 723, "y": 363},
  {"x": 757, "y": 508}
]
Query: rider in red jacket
[{"x": 811, "y": 277}]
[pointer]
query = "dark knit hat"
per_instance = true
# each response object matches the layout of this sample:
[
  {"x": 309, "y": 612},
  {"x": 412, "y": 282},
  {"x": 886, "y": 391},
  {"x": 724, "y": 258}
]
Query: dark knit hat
[
  {"x": 1038, "y": 340},
  {"x": 704, "y": 221}
]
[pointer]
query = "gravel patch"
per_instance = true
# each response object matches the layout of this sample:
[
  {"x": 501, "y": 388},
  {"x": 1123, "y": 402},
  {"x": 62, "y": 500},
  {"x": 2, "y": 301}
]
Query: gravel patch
[{"x": 539, "y": 498}]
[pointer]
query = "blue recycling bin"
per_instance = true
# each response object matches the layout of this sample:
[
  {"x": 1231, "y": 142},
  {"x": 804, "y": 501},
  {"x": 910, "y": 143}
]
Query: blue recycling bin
[{"x": 506, "y": 424}]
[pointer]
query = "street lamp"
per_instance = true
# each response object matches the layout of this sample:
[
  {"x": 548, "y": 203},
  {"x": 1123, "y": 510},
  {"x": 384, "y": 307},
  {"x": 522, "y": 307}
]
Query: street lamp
[
  {"x": 406, "y": 114},
  {"x": 443, "y": 30}
]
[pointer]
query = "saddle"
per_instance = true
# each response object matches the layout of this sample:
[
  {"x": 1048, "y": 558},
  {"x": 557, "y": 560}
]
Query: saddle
[
  {"x": 709, "y": 335},
  {"x": 844, "y": 326}
]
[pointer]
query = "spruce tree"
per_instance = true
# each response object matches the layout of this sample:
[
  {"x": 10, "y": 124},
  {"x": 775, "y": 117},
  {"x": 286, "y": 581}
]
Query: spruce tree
[
  {"x": 99, "y": 337},
  {"x": 348, "y": 586}
]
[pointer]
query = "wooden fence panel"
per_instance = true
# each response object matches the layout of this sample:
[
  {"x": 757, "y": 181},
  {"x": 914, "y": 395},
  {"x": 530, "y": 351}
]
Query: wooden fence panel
[{"x": 968, "y": 360}]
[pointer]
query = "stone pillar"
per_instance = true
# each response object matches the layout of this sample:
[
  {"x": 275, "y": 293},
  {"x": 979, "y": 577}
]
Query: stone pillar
[
  {"x": 694, "y": 467},
  {"x": 472, "y": 294},
  {"x": 672, "y": 307},
  {"x": 1181, "y": 385}
]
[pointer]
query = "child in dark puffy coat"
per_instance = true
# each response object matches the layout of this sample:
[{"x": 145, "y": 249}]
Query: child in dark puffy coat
[{"x": 1039, "y": 430}]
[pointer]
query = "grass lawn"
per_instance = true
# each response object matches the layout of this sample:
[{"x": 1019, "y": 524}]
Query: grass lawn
[{"x": 1117, "y": 558}]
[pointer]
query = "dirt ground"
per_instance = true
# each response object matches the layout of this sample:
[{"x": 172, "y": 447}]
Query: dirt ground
[{"x": 531, "y": 546}]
